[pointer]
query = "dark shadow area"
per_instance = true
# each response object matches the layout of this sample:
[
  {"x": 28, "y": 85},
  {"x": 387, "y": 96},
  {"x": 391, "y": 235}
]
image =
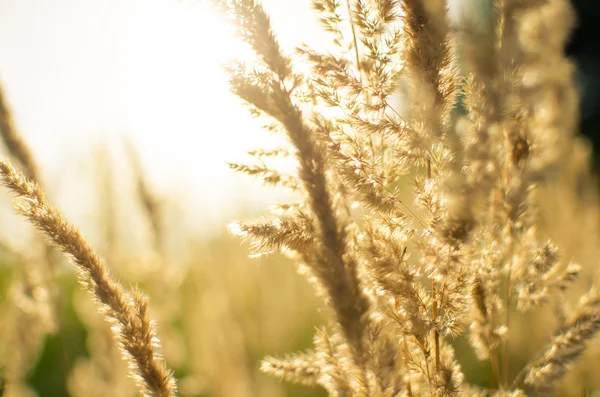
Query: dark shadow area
[{"x": 584, "y": 49}]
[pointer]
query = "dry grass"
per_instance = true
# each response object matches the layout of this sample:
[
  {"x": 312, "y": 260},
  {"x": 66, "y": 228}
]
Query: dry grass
[
  {"x": 127, "y": 312},
  {"x": 426, "y": 291},
  {"x": 405, "y": 276}
]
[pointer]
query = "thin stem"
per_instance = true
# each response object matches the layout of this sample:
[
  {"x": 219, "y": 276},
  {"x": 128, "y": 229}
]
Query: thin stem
[
  {"x": 406, "y": 357},
  {"x": 507, "y": 299},
  {"x": 428, "y": 168},
  {"x": 494, "y": 361},
  {"x": 436, "y": 333},
  {"x": 354, "y": 40},
  {"x": 426, "y": 356},
  {"x": 434, "y": 307}
]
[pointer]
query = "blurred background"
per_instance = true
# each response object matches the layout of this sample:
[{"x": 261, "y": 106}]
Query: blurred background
[
  {"x": 125, "y": 107},
  {"x": 126, "y": 110},
  {"x": 83, "y": 73}
]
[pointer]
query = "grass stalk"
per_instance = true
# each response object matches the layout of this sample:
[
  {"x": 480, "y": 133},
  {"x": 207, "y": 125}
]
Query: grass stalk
[{"x": 127, "y": 312}]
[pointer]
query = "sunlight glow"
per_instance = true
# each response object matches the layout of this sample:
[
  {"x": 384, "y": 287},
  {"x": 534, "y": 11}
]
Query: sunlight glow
[
  {"x": 180, "y": 110},
  {"x": 151, "y": 70},
  {"x": 179, "y": 102}
]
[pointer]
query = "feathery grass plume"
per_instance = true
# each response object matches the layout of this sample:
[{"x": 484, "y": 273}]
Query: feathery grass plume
[
  {"x": 267, "y": 175},
  {"x": 332, "y": 375},
  {"x": 272, "y": 94},
  {"x": 330, "y": 12},
  {"x": 127, "y": 312},
  {"x": 384, "y": 361},
  {"x": 486, "y": 336},
  {"x": 299, "y": 368},
  {"x": 510, "y": 156},
  {"x": 103, "y": 372},
  {"x": 568, "y": 343},
  {"x": 293, "y": 232},
  {"x": 468, "y": 249}
]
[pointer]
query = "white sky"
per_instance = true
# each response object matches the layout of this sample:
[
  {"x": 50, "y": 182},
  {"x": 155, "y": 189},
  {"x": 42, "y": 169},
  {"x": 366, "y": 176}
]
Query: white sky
[{"x": 77, "y": 72}]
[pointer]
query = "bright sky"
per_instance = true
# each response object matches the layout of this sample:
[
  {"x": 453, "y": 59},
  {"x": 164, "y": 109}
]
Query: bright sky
[{"x": 77, "y": 72}]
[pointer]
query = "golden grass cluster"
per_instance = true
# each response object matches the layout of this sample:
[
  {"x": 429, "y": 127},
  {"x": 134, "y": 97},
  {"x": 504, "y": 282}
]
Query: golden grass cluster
[
  {"x": 498, "y": 234},
  {"x": 487, "y": 124}
]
